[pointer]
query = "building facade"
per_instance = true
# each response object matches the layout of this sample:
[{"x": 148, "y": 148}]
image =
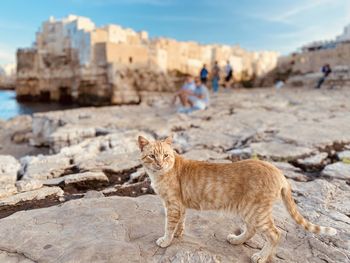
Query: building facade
[{"x": 72, "y": 56}]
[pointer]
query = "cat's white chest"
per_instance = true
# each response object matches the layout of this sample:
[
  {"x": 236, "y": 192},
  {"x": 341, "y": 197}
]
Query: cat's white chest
[{"x": 154, "y": 183}]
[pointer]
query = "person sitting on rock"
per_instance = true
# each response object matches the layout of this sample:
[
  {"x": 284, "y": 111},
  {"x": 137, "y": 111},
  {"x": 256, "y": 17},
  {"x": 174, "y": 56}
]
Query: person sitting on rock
[
  {"x": 187, "y": 88},
  {"x": 198, "y": 99}
]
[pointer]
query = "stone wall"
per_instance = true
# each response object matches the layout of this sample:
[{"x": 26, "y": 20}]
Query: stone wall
[{"x": 312, "y": 61}]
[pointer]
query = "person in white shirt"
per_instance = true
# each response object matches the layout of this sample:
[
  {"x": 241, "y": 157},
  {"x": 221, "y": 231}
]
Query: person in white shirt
[{"x": 186, "y": 90}]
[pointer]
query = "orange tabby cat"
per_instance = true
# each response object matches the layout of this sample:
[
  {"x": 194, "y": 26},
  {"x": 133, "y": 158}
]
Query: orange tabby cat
[{"x": 247, "y": 188}]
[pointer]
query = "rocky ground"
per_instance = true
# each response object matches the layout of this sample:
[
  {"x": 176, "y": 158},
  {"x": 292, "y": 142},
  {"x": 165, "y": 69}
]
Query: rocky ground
[{"x": 96, "y": 203}]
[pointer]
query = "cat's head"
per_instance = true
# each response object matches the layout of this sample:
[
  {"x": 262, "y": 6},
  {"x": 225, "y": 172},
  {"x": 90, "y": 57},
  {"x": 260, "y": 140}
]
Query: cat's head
[{"x": 157, "y": 156}]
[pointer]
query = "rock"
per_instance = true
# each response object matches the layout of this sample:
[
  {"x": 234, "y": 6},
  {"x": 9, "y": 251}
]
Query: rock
[
  {"x": 240, "y": 154},
  {"x": 68, "y": 135},
  {"x": 96, "y": 178},
  {"x": 291, "y": 171},
  {"x": 84, "y": 177},
  {"x": 137, "y": 176},
  {"x": 344, "y": 156},
  {"x": 314, "y": 162},
  {"x": 279, "y": 150},
  {"x": 38, "y": 194},
  {"x": 115, "y": 226},
  {"x": 204, "y": 155},
  {"x": 28, "y": 185},
  {"x": 13, "y": 257},
  {"x": 7, "y": 190},
  {"x": 134, "y": 189},
  {"x": 43, "y": 167},
  {"x": 22, "y": 136},
  {"x": 9, "y": 168},
  {"x": 338, "y": 170},
  {"x": 93, "y": 194}
]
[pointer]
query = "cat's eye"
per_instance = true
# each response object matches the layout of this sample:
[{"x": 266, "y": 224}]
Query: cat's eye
[
  {"x": 152, "y": 156},
  {"x": 166, "y": 155}
]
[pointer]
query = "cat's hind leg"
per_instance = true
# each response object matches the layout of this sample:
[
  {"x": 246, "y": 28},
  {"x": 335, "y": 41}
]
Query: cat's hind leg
[
  {"x": 248, "y": 233},
  {"x": 272, "y": 235}
]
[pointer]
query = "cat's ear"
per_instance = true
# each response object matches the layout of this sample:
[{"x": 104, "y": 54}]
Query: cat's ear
[
  {"x": 169, "y": 140},
  {"x": 142, "y": 142}
]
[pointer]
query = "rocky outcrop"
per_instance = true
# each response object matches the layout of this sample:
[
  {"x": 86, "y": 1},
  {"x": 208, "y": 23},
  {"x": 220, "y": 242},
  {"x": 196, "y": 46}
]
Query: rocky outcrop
[
  {"x": 121, "y": 229},
  {"x": 94, "y": 157}
]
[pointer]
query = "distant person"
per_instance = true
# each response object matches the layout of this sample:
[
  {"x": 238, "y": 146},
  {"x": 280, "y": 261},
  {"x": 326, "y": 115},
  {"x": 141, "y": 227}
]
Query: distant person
[
  {"x": 198, "y": 99},
  {"x": 215, "y": 77},
  {"x": 326, "y": 70},
  {"x": 204, "y": 74},
  {"x": 186, "y": 90},
  {"x": 228, "y": 73}
]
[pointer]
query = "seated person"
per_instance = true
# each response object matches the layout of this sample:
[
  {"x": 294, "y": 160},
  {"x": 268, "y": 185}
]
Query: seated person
[
  {"x": 187, "y": 88},
  {"x": 197, "y": 99}
]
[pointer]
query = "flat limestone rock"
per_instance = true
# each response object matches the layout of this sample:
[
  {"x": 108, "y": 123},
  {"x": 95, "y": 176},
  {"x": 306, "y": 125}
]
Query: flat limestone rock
[
  {"x": 7, "y": 190},
  {"x": 9, "y": 167},
  {"x": 38, "y": 194},
  {"x": 291, "y": 171},
  {"x": 204, "y": 155},
  {"x": 44, "y": 166},
  {"x": 83, "y": 177},
  {"x": 13, "y": 257},
  {"x": 315, "y": 160},
  {"x": 124, "y": 229},
  {"x": 77, "y": 178},
  {"x": 28, "y": 185},
  {"x": 338, "y": 170},
  {"x": 279, "y": 150}
]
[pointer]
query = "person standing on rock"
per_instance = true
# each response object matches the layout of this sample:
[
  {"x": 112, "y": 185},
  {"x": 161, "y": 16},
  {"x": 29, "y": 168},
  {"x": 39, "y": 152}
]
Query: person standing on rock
[
  {"x": 326, "y": 70},
  {"x": 229, "y": 74},
  {"x": 215, "y": 77},
  {"x": 204, "y": 74}
]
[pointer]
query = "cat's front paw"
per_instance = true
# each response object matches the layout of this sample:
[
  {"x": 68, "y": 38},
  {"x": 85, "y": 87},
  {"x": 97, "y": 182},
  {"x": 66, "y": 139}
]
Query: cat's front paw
[{"x": 163, "y": 241}]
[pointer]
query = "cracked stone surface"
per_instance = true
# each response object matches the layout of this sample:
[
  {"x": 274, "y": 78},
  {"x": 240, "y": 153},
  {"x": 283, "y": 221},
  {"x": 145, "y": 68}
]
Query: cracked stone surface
[
  {"x": 123, "y": 229},
  {"x": 294, "y": 128},
  {"x": 38, "y": 194},
  {"x": 338, "y": 170}
]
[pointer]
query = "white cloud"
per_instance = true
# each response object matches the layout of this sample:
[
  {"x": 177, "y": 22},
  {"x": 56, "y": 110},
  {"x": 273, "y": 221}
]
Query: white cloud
[
  {"x": 7, "y": 55},
  {"x": 285, "y": 16},
  {"x": 124, "y": 2}
]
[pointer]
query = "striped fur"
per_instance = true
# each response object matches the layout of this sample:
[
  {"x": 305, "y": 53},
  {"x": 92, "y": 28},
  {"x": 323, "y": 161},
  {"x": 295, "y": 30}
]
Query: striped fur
[
  {"x": 299, "y": 219},
  {"x": 247, "y": 188}
]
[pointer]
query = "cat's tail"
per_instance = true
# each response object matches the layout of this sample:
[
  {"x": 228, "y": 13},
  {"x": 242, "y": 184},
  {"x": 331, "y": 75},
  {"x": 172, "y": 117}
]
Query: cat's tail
[{"x": 299, "y": 219}]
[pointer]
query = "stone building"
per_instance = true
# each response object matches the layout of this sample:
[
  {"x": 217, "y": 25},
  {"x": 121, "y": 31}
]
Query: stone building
[
  {"x": 314, "y": 55},
  {"x": 73, "y": 60}
]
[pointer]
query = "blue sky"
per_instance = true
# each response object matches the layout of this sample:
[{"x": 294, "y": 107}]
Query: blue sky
[{"x": 281, "y": 25}]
